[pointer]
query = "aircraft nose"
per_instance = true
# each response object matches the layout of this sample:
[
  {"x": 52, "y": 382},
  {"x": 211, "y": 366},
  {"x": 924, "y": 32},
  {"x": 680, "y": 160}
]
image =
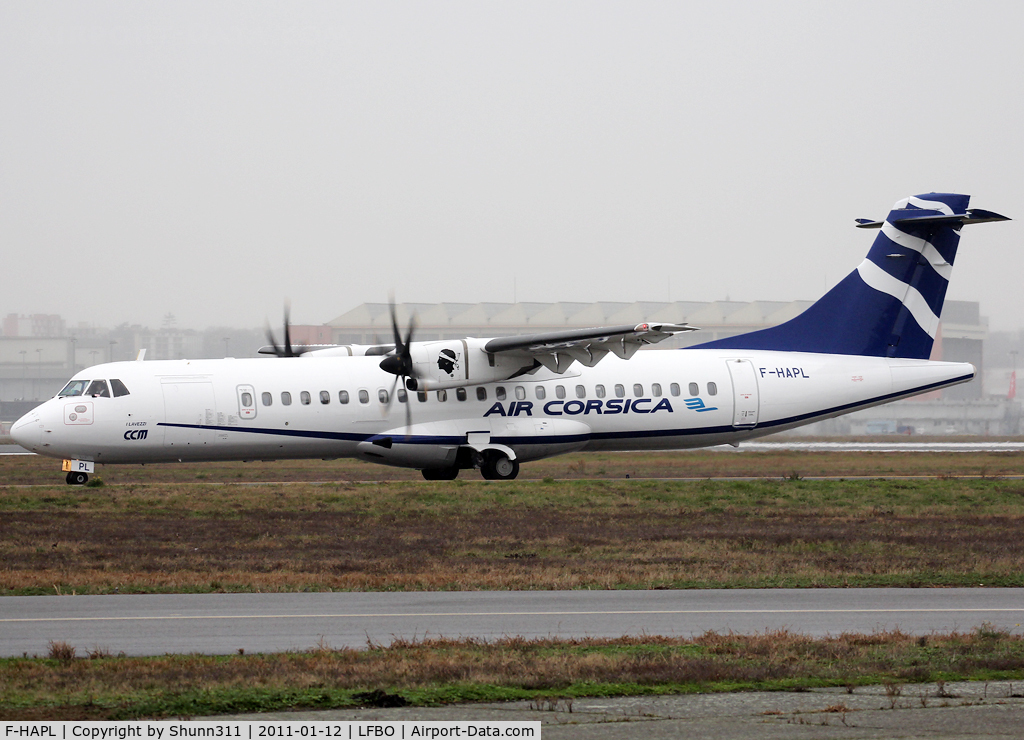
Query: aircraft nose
[{"x": 27, "y": 431}]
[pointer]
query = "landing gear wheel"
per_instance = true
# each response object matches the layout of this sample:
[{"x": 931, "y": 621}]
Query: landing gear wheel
[
  {"x": 76, "y": 478},
  {"x": 441, "y": 473},
  {"x": 499, "y": 467}
]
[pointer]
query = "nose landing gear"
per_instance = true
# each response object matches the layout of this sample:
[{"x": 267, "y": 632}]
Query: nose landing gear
[{"x": 77, "y": 478}]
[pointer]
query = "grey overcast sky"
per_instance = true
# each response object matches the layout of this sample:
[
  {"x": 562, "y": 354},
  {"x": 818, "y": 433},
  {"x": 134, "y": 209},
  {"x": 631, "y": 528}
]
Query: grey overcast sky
[{"x": 210, "y": 159}]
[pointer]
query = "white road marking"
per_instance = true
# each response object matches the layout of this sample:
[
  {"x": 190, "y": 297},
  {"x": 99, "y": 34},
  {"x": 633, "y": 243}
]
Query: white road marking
[{"x": 910, "y": 610}]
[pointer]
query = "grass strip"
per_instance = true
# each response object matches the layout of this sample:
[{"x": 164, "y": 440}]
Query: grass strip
[
  {"x": 435, "y": 672},
  {"x": 401, "y": 535}
]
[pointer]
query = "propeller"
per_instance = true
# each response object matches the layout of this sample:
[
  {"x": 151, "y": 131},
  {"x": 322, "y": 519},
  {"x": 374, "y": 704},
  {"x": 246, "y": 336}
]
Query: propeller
[
  {"x": 287, "y": 350},
  {"x": 400, "y": 364}
]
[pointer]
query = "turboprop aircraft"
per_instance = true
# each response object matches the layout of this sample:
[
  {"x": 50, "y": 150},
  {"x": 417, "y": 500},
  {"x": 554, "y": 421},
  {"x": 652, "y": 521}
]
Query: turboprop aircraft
[{"x": 446, "y": 406}]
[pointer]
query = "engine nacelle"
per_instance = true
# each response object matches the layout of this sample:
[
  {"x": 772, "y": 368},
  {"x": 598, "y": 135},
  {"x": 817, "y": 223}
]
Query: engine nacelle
[{"x": 457, "y": 363}]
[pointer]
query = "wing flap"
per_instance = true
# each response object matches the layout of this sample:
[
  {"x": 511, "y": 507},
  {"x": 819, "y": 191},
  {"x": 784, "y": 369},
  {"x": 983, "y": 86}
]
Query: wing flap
[{"x": 559, "y": 349}]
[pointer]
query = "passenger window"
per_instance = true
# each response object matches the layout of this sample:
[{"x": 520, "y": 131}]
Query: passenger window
[
  {"x": 74, "y": 388},
  {"x": 442, "y": 396},
  {"x": 520, "y": 392},
  {"x": 712, "y": 389},
  {"x": 247, "y": 399},
  {"x": 481, "y": 393},
  {"x": 638, "y": 390},
  {"x": 304, "y": 398},
  {"x": 655, "y": 389},
  {"x": 694, "y": 390},
  {"x": 382, "y": 395},
  {"x": 560, "y": 391},
  {"x": 118, "y": 387},
  {"x": 599, "y": 391},
  {"x": 268, "y": 399},
  {"x": 325, "y": 397},
  {"x": 364, "y": 396},
  {"x": 460, "y": 394},
  {"x": 98, "y": 389},
  {"x": 581, "y": 392},
  {"x": 674, "y": 389},
  {"x": 539, "y": 390},
  {"x": 342, "y": 396},
  {"x": 620, "y": 390},
  {"x": 499, "y": 393},
  {"x": 286, "y": 398},
  {"x": 403, "y": 397},
  {"x": 421, "y": 396}
]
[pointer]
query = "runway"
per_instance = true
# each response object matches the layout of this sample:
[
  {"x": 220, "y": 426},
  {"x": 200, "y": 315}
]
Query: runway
[{"x": 227, "y": 623}]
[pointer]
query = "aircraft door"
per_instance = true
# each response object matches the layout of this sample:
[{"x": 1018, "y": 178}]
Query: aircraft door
[
  {"x": 190, "y": 408},
  {"x": 744, "y": 392},
  {"x": 246, "y": 402}
]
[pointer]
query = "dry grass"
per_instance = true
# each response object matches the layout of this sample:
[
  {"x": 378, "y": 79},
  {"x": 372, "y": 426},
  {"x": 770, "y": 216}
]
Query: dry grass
[
  {"x": 436, "y": 671},
  {"x": 685, "y": 464},
  {"x": 522, "y": 535}
]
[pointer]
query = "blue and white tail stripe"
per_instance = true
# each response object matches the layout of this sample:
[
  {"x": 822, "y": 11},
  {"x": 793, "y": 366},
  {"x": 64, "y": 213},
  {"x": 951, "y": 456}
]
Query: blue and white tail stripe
[
  {"x": 911, "y": 298},
  {"x": 890, "y": 305},
  {"x": 925, "y": 248}
]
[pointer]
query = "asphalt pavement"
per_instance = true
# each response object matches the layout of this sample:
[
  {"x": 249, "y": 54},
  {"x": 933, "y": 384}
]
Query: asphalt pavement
[
  {"x": 956, "y": 711},
  {"x": 155, "y": 624}
]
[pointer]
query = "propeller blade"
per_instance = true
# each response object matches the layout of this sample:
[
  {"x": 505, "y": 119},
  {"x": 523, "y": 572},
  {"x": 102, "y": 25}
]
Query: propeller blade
[
  {"x": 400, "y": 362},
  {"x": 289, "y": 352},
  {"x": 285, "y": 350},
  {"x": 394, "y": 325},
  {"x": 408, "y": 414},
  {"x": 386, "y": 410},
  {"x": 273, "y": 341}
]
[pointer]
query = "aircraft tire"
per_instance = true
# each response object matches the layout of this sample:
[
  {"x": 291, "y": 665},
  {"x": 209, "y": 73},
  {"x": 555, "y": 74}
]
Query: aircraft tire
[
  {"x": 76, "y": 478},
  {"x": 499, "y": 467},
  {"x": 440, "y": 473}
]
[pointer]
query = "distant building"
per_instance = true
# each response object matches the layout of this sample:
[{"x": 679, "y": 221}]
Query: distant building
[
  {"x": 36, "y": 325},
  {"x": 168, "y": 344},
  {"x": 371, "y": 322}
]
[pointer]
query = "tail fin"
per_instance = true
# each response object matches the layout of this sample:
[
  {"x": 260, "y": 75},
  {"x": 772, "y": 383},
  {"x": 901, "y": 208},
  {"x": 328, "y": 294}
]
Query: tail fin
[{"x": 890, "y": 305}]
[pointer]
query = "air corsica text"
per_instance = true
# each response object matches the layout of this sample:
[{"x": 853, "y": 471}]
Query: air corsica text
[{"x": 575, "y": 408}]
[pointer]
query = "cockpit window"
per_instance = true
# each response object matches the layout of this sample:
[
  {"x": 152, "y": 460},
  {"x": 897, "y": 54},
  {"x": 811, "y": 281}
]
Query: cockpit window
[
  {"x": 118, "y": 387},
  {"x": 98, "y": 389},
  {"x": 74, "y": 388}
]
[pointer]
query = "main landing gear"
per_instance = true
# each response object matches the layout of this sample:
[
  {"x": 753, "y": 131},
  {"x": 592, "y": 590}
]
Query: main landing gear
[
  {"x": 499, "y": 467},
  {"x": 77, "y": 478},
  {"x": 493, "y": 465}
]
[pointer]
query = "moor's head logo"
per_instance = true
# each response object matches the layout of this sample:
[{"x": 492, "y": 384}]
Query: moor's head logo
[{"x": 448, "y": 362}]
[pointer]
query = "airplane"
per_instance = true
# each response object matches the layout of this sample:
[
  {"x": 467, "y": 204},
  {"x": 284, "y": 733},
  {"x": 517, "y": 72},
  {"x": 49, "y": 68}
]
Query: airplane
[{"x": 492, "y": 403}]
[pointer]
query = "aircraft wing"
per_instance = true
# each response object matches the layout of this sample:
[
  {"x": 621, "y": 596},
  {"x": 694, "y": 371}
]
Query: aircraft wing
[
  {"x": 557, "y": 350},
  {"x": 297, "y": 349}
]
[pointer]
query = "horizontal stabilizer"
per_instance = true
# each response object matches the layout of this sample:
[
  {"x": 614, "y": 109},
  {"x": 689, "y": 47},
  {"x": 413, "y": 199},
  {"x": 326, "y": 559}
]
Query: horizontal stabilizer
[{"x": 973, "y": 216}]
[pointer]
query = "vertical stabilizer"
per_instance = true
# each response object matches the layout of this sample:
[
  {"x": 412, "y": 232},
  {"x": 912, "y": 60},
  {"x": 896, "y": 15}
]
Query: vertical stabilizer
[{"x": 890, "y": 305}]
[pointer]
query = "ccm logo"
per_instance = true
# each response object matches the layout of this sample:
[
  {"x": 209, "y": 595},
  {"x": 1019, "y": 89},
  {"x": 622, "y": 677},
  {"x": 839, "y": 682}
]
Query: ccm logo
[{"x": 136, "y": 434}]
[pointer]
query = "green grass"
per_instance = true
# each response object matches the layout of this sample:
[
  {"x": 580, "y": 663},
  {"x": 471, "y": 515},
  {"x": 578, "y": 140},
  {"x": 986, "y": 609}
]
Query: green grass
[{"x": 434, "y": 672}]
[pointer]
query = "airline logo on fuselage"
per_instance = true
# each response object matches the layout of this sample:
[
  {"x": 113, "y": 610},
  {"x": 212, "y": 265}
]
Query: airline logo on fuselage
[{"x": 578, "y": 407}]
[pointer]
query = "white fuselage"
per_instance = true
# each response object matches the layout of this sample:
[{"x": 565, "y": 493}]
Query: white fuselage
[{"x": 233, "y": 409}]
